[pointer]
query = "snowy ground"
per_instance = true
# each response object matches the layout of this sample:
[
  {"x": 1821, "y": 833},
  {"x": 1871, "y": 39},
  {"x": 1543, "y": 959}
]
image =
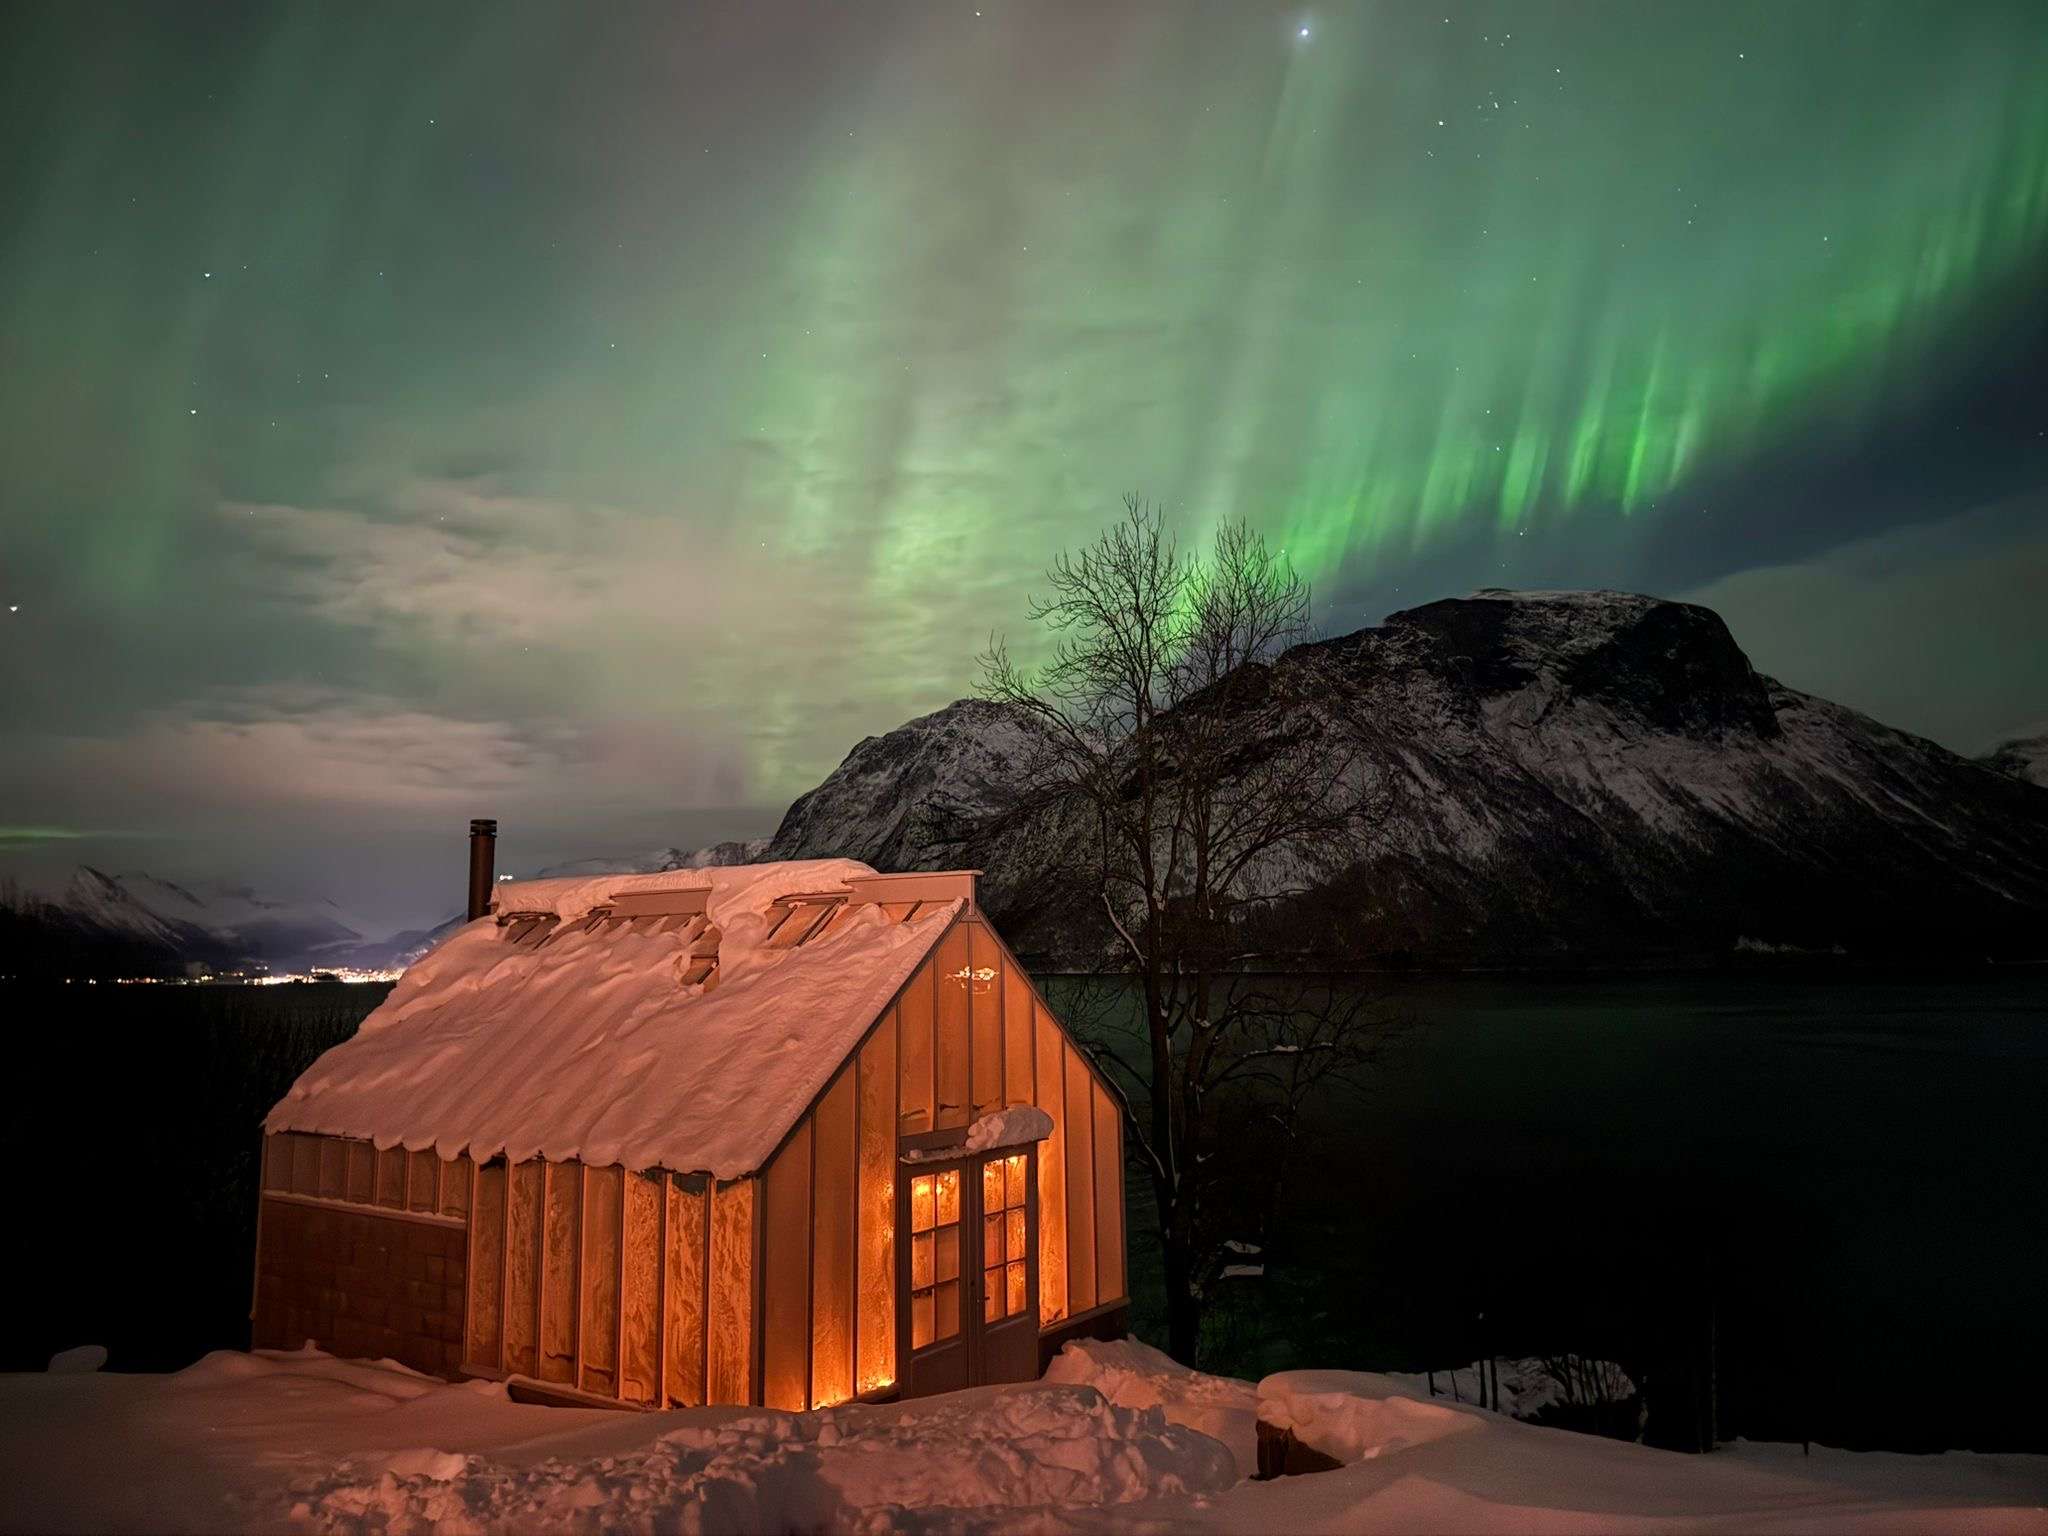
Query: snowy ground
[{"x": 1116, "y": 1439}]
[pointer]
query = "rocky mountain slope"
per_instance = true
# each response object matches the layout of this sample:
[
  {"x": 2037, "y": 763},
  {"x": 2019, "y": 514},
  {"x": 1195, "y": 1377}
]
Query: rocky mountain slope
[
  {"x": 2024, "y": 757},
  {"x": 1576, "y": 777}
]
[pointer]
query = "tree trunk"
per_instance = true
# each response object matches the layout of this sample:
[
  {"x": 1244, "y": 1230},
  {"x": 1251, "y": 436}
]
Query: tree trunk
[{"x": 1183, "y": 1306}]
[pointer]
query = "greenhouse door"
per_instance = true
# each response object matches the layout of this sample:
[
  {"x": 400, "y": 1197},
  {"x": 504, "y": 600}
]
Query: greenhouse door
[{"x": 969, "y": 1272}]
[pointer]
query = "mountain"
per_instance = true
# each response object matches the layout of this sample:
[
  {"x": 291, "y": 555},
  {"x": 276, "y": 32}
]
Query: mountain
[
  {"x": 662, "y": 860},
  {"x": 2023, "y": 757},
  {"x": 139, "y": 924},
  {"x": 1576, "y": 778}
]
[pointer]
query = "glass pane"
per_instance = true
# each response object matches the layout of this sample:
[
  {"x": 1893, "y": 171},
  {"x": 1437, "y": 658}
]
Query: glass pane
[
  {"x": 921, "y": 1265},
  {"x": 362, "y": 1172},
  {"x": 487, "y": 1233},
  {"x": 991, "y": 1295},
  {"x": 992, "y": 1184},
  {"x": 1013, "y": 1181},
  {"x": 562, "y": 1227},
  {"x": 1015, "y": 1245},
  {"x": 730, "y": 1364},
  {"x": 949, "y": 1255},
  {"x": 834, "y": 1132},
  {"x": 947, "y": 1322},
  {"x": 914, "y": 1018},
  {"x": 949, "y": 1196},
  {"x": 920, "y": 1319},
  {"x": 1079, "y": 1128},
  {"x": 1016, "y": 1279},
  {"x": 640, "y": 1297},
  {"x": 1109, "y": 1199},
  {"x": 1017, "y": 1085},
  {"x": 786, "y": 1276},
  {"x": 921, "y": 1203},
  {"x": 425, "y": 1168},
  {"x": 985, "y": 999},
  {"x": 603, "y": 1190},
  {"x": 992, "y": 1239},
  {"x": 683, "y": 1329},
  {"x": 955, "y": 975},
  {"x": 334, "y": 1167},
  {"x": 875, "y": 1301},
  {"x": 1052, "y": 1177}
]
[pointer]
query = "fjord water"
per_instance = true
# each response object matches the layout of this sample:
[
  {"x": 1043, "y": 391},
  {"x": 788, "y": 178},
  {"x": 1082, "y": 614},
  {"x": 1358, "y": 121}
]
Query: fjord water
[
  {"x": 1822, "y": 1197},
  {"x": 1830, "y": 1185}
]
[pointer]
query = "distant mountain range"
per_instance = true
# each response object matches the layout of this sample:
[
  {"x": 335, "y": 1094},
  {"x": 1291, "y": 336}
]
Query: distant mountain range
[
  {"x": 1579, "y": 778},
  {"x": 139, "y": 925},
  {"x": 662, "y": 860}
]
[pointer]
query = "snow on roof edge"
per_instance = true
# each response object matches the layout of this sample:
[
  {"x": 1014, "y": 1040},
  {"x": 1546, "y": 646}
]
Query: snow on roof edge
[{"x": 587, "y": 1048}]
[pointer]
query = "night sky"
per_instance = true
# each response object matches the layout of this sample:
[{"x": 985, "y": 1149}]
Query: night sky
[{"x": 604, "y": 416}]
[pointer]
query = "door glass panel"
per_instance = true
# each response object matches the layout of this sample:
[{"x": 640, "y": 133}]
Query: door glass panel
[
  {"x": 1004, "y": 1181},
  {"x": 934, "y": 1257},
  {"x": 921, "y": 1203},
  {"x": 992, "y": 1238}
]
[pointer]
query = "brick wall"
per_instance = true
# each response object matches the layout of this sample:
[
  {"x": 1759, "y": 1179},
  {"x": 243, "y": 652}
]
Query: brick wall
[{"x": 360, "y": 1285}]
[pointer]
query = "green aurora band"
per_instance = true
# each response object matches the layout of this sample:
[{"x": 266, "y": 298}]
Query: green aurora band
[{"x": 876, "y": 308}]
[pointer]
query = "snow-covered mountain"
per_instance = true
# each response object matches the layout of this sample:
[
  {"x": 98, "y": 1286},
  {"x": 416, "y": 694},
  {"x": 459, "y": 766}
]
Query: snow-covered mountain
[
  {"x": 662, "y": 860},
  {"x": 138, "y": 921},
  {"x": 1578, "y": 777},
  {"x": 2024, "y": 757}
]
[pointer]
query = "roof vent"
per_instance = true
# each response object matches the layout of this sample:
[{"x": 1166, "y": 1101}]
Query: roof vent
[
  {"x": 916, "y": 885},
  {"x": 674, "y": 901}
]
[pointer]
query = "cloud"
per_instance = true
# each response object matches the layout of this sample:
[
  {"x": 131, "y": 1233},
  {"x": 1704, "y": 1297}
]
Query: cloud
[
  {"x": 459, "y": 564},
  {"x": 735, "y": 652},
  {"x": 273, "y": 747}
]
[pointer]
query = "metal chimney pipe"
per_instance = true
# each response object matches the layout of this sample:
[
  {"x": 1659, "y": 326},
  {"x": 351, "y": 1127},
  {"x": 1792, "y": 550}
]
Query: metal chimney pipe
[{"x": 483, "y": 856}]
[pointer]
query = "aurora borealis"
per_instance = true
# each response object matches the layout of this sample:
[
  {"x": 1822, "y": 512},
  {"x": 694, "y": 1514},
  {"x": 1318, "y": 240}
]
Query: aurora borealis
[{"x": 603, "y": 417}]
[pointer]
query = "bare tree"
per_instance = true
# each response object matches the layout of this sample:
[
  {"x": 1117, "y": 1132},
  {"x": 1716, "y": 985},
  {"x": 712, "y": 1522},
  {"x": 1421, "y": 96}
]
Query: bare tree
[{"x": 1205, "y": 790}]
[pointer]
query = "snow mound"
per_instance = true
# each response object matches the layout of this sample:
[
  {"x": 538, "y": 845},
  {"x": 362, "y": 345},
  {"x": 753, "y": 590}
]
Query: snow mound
[
  {"x": 1353, "y": 1416},
  {"x": 80, "y": 1361},
  {"x": 1134, "y": 1375},
  {"x": 281, "y": 1440},
  {"x": 995, "y": 1459}
]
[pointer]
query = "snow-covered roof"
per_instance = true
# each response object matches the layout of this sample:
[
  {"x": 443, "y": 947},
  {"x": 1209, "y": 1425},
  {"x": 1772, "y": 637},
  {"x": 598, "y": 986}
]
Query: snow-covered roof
[{"x": 574, "y": 1022}]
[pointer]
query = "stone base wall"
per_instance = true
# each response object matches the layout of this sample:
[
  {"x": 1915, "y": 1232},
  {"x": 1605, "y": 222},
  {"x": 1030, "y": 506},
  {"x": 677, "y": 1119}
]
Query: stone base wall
[{"x": 360, "y": 1285}]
